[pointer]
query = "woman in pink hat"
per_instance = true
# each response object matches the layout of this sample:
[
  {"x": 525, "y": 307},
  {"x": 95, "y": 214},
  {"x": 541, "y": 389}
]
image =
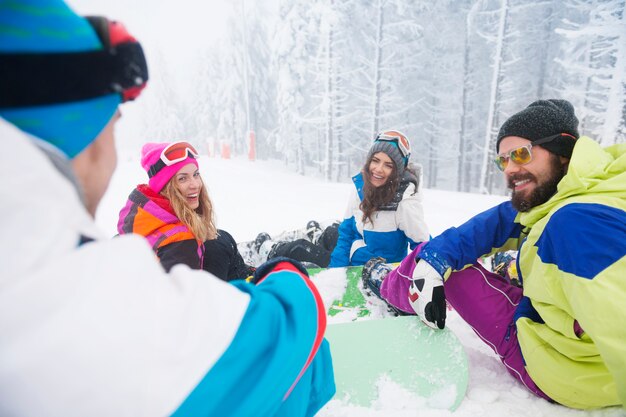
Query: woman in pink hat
[{"x": 173, "y": 211}]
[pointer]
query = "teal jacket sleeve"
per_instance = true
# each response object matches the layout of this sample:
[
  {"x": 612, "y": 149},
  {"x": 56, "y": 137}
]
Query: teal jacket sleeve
[{"x": 278, "y": 363}]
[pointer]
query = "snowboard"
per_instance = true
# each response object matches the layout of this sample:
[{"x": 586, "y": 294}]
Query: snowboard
[
  {"x": 429, "y": 364},
  {"x": 354, "y": 296},
  {"x": 353, "y": 299}
]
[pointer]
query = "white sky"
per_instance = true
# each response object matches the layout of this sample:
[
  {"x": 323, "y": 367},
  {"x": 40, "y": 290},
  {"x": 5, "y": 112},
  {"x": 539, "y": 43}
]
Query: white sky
[
  {"x": 170, "y": 32},
  {"x": 175, "y": 28}
]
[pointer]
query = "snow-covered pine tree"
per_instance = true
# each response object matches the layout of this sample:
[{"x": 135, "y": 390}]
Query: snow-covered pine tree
[
  {"x": 594, "y": 60},
  {"x": 291, "y": 54}
]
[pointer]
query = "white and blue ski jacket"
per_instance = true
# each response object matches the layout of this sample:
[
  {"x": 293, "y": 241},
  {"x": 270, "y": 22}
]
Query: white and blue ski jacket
[
  {"x": 93, "y": 326},
  {"x": 389, "y": 236}
]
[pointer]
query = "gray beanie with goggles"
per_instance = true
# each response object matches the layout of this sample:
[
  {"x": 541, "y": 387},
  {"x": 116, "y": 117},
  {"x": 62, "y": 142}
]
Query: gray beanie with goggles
[
  {"x": 391, "y": 148},
  {"x": 541, "y": 119}
]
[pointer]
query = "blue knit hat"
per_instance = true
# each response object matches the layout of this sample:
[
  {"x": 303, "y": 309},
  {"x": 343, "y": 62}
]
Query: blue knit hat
[{"x": 32, "y": 28}]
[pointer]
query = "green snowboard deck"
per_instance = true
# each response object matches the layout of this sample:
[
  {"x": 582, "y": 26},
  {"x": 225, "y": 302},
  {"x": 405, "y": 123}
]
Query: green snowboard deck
[
  {"x": 431, "y": 364},
  {"x": 353, "y": 298}
]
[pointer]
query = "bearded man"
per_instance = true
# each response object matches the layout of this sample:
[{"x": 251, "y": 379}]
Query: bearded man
[{"x": 561, "y": 335}]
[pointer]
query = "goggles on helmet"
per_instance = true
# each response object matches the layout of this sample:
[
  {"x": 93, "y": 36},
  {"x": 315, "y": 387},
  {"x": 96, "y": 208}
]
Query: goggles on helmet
[
  {"x": 35, "y": 79},
  {"x": 172, "y": 154},
  {"x": 398, "y": 138}
]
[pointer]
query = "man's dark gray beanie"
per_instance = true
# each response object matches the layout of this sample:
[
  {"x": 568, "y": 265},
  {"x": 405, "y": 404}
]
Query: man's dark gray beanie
[{"x": 541, "y": 119}]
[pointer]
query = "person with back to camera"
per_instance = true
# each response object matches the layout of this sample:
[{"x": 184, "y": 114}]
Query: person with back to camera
[
  {"x": 93, "y": 326},
  {"x": 385, "y": 214},
  {"x": 562, "y": 334},
  {"x": 174, "y": 212}
]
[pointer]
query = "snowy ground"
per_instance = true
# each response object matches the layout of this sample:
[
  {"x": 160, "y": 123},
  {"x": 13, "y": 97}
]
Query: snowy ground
[{"x": 264, "y": 196}]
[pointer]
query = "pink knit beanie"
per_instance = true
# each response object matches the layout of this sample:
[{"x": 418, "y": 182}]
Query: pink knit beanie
[{"x": 150, "y": 154}]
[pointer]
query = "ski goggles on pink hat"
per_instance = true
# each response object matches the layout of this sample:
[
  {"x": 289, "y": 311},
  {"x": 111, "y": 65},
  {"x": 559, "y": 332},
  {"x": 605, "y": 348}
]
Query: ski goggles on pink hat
[
  {"x": 398, "y": 138},
  {"x": 173, "y": 154}
]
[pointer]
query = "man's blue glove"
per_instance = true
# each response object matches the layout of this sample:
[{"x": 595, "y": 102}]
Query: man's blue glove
[
  {"x": 426, "y": 295},
  {"x": 270, "y": 265}
]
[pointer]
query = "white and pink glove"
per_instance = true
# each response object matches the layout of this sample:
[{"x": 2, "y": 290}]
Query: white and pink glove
[{"x": 426, "y": 295}]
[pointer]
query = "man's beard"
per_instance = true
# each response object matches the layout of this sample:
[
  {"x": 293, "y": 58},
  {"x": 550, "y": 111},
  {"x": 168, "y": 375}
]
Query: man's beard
[{"x": 543, "y": 192}]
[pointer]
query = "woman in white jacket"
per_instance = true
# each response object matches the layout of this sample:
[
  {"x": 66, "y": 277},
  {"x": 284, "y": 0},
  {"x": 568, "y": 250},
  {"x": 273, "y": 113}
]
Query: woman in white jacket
[{"x": 385, "y": 215}]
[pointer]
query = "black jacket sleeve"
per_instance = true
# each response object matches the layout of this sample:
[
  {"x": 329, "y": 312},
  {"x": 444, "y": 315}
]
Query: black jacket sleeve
[
  {"x": 222, "y": 258},
  {"x": 183, "y": 252}
]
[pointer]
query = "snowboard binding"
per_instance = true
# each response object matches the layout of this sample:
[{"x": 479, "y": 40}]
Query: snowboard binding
[
  {"x": 313, "y": 231},
  {"x": 374, "y": 273},
  {"x": 260, "y": 240}
]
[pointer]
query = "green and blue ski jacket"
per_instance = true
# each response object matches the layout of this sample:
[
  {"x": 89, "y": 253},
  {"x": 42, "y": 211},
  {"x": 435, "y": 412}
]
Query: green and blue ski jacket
[{"x": 573, "y": 266}]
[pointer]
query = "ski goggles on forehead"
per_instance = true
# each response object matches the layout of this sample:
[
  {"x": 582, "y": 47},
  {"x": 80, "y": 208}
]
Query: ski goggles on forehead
[
  {"x": 400, "y": 140},
  {"x": 523, "y": 155},
  {"x": 37, "y": 79},
  {"x": 174, "y": 153}
]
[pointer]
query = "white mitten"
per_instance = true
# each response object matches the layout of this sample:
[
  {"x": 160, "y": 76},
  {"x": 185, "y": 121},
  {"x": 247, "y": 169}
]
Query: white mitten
[{"x": 426, "y": 295}]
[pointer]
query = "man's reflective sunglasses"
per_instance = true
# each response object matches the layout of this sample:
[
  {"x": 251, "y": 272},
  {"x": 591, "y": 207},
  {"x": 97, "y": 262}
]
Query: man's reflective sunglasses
[{"x": 523, "y": 155}]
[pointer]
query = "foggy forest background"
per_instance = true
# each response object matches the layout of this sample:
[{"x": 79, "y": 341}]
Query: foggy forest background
[{"x": 315, "y": 79}]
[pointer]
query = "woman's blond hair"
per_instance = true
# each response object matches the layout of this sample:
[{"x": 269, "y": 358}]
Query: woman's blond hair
[{"x": 199, "y": 221}]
